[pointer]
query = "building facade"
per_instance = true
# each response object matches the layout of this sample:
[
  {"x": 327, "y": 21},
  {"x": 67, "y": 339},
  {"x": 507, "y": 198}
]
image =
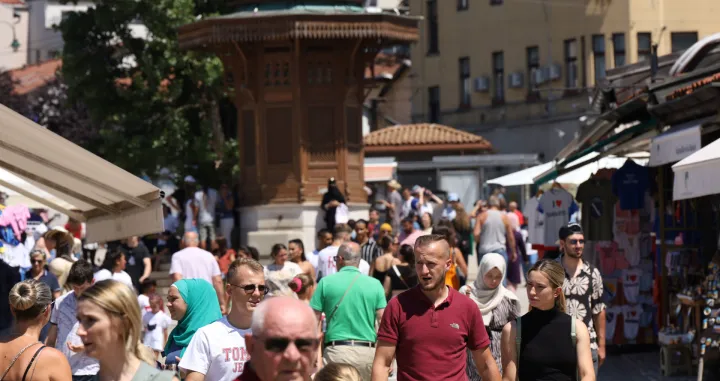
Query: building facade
[{"x": 521, "y": 72}]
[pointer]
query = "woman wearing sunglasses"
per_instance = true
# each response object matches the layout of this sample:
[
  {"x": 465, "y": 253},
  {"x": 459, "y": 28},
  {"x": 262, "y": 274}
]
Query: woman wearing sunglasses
[
  {"x": 193, "y": 304},
  {"x": 22, "y": 356}
]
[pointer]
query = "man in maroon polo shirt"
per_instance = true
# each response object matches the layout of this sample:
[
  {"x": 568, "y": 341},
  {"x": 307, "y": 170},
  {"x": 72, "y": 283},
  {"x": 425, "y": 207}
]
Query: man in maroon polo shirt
[
  {"x": 284, "y": 341},
  {"x": 429, "y": 326}
]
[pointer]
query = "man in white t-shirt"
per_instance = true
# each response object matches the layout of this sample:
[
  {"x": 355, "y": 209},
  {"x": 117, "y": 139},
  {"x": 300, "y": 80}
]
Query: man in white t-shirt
[
  {"x": 217, "y": 351},
  {"x": 326, "y": 257},
  {"x": 193, "y": 262}
]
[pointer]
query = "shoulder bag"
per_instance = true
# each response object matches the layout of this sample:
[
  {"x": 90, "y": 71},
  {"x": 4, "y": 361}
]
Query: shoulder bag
[{"x": 332, "y": 313}]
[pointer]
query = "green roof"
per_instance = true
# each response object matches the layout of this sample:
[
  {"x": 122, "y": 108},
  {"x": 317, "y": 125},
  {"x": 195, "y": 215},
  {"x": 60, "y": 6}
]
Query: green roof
[{"x": 299, "y": 7}]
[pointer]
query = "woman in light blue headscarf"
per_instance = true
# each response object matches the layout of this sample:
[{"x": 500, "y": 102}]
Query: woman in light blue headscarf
[{"x": 193, "y": 304}]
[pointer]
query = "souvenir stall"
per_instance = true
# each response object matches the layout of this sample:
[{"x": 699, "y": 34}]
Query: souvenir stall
[
  {"x": 686, "y": 223},
  {"x": 616, "y": 215}
]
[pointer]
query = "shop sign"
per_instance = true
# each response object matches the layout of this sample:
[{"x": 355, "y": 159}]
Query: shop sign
[
  {"x": 675, "y": 146},
  {"x": 689, "y": 89}
]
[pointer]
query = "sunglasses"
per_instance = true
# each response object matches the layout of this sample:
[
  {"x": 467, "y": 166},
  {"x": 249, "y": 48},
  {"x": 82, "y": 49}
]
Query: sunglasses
[
  {"x": 33, "y": 261},
  {"x": 576, "y": 241},
  {"x": 280, "y": 344},
  {"x": 250, "y": 288}
]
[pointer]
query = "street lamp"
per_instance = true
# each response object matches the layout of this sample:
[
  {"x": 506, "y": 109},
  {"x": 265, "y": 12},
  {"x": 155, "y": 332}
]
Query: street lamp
[{"x": 15, "y": 44}]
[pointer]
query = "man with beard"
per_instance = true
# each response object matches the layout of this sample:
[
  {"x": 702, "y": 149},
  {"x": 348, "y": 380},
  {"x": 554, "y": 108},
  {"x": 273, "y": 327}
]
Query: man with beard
[
  {"x": 217, "y": 351},
  {"x": 429, "y": 327},
  {"x": 284, "y": 341},
  {"x": 583, "y": 289}
]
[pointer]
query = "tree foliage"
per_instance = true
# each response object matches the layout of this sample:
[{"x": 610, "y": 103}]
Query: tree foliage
[{"x": 153, "y": 102}]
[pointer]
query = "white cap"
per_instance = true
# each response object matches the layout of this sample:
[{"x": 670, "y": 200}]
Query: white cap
[{"x": 189, "y": 179}]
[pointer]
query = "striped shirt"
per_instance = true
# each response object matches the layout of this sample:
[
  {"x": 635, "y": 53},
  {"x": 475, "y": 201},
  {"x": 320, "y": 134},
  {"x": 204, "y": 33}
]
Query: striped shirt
[{"x": 370, "y": 250}]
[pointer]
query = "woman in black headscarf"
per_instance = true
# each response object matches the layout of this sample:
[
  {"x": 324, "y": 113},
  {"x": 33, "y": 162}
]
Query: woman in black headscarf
[{"x": 330, "y": 201}]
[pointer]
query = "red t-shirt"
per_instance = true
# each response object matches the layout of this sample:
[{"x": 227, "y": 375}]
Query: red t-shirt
[{"x": 431, "y": 341}]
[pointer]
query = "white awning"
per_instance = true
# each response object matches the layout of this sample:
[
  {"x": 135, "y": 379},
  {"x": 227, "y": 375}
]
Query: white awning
[
  {"x": 697, "y": 174},
  {"x": 114, "y": 203},
  {"x": 521, "y": 177},
  {"x": 577, "y": 176}
]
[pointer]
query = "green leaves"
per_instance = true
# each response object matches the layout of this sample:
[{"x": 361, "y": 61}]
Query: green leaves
[{"x": 151, "y": 101}]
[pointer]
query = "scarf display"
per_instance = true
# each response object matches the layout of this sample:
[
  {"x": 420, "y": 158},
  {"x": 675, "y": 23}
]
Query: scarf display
[{"x": 486, "y": 298}]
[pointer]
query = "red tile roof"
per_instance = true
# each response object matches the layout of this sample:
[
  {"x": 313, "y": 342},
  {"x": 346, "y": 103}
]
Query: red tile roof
[
  {"x": 423, "y": 135},
  {"x": 33, "y": 77},
  {"x": 12, "y": 2}
]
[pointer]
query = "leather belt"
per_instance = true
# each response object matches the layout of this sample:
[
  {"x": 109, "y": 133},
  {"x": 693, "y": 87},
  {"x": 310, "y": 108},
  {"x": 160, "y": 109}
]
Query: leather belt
[{"x": 352, "y": 343}]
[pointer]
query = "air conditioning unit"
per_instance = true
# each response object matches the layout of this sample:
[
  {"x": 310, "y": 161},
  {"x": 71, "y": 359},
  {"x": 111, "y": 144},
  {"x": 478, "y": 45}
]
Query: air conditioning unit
[
  {"x": 555, "y": 71},
  {"x": 482, "y": 84},
  {"x": 539, "y": 76},
  {"x": 517, "y": 80}
]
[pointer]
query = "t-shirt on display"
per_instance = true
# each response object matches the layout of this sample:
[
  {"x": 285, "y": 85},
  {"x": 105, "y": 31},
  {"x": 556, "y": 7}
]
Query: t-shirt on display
[
  {"x": 557, "y": 205},
  {"x": 629, "y": 184},
  {"x": 598, "y": 203},
  {"x": 535, "y": 221}
]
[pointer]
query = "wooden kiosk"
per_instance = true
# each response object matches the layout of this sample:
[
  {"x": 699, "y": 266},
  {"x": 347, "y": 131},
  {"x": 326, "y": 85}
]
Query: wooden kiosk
[{"x": 297, "y": 69}]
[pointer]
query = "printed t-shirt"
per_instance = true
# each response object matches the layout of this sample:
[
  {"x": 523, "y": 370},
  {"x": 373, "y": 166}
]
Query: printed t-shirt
[
  {"x": 155, "y": 326},
  {"x": 64, "y": 317},
  {"x": 355, "y": 317},
  {"x": 557, "y": 205},
  {"x": 598, "y": 203},
  {"x": 218, "y": 351},
  {"x": 629, "y": 184},
  {"x": 144, "y": 303},
  {"x": 326, "y": 263},
  {"x": 535, "y": 221},
  {"x": 431, "y": 342}
]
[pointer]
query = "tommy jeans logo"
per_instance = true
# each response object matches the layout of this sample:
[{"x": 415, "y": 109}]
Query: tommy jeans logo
[{"x": 455, "y": 325}]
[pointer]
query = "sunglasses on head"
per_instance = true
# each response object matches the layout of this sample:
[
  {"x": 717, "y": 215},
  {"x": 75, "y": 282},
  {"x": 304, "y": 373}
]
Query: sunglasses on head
[
  {"x": 250, "y": 288},
  {"x": 280, "y": 344}
]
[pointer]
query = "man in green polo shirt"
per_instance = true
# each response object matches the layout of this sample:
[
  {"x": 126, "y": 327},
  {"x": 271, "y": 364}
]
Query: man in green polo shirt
[{"x": 351, "y": 302}]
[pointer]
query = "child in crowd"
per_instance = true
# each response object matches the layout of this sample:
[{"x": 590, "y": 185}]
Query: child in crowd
[
  {"x": 147, "y": 288},
  {"x": 156, "y": 324}
]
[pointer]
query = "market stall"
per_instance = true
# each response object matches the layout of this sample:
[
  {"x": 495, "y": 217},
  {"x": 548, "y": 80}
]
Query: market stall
[{"x": 114, "y": 203}]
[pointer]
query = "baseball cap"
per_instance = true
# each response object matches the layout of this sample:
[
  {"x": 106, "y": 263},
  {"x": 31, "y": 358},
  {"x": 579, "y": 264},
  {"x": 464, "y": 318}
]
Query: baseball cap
[
  {"x": 567, "y": 231},
  {"x": 189, "y": 179},
  {"x": 416, "y": 189},
  {"x": 386, "y": 227},
  {"x": 453, "y": 197}
]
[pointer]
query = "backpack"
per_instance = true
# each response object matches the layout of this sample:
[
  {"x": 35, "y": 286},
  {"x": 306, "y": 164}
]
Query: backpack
[{"x": 518, "y": 341}]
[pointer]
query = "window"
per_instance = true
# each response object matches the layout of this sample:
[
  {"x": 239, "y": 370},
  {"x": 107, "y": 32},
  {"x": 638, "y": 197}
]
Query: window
[
  {"x": 498, "y": 61},
  {"x": 432, "y": 27},
  {"x": 644, "y": 41},
  {"x": 598, "y": 43},
  {"x": 571, "y": 65},
  {"x": 533, "y": 65},
  {"x": 371, "y": 3},
  {"x": 434, "y": 104},
  {"x": 496, "y": 2},
  {"x": 464, "y": 69},
  {"x": 682, "y": 40},
  {"x": 463, "y": 5},
  {"x": 619, "y": 49}
]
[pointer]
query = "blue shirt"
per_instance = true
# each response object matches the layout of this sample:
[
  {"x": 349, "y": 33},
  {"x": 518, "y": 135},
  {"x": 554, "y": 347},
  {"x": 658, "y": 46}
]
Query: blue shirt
[
  {"x": 48, "y": 278},
  {"x": 629, "y": 184}
]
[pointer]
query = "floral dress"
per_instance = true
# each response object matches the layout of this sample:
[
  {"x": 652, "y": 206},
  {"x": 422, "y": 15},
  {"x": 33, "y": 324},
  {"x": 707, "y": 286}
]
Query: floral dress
[{"x": 505, "y": 312}]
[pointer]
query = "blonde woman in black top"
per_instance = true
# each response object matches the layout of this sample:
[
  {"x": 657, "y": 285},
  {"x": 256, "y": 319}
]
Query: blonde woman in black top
[{"x": 548, "y": 350}]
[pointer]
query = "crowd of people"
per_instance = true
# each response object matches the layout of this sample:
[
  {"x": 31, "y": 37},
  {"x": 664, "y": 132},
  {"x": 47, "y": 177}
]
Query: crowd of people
[{"x": 378, "y": 298}]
